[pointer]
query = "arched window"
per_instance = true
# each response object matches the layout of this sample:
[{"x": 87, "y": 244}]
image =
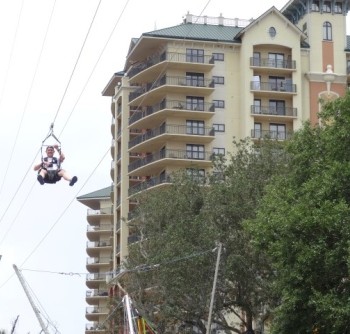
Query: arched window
[{"x": 327, "y": 31}]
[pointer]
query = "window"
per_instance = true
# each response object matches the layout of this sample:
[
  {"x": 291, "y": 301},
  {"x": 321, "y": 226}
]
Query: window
[
  {"x": 305, "y": 28},
  {"x": 278, "y": 131},
  {"x": 219, "y": 80},
  {"x": 219, "y": 103},
  {"x": 257, "y": 132},
  {"x": 326, "y": 7},
  {"x": 272, "y": 32},
  {"x": 315, "y": 7},
  {"x": 195, "y": 79},
  {"x": 195, "y": 127},
  {"x": 276, "y": 60},
  {"x": 257, "y": 107},
  {"x": 256, "y": 59},
  {"x": 277, "y": 107},
  {"x": 196, "y": 174},
  {"x": 218, "y": 151},
  {"x": 338, "y": 8},
  {"x": 218, "y": 56},
  {"x": 195, "y": 55},
  {"x": 195, "y": 103},
  {"x": 219, "y": 127},
  {"x": 348, "y": 66},
  {"x": 277, "y": 83},
  {"x": 195, "y": 151},
  {"x": 327, "y": 31}
]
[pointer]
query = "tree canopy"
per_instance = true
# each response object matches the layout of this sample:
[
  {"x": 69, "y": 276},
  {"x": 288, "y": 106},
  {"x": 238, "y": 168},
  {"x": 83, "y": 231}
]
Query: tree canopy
[
  {"x": 303, "y": 226},
  {"x": 171, "y": 268}
]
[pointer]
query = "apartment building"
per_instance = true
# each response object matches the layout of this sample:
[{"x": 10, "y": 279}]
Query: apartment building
[{"x": 186, "y": 91}]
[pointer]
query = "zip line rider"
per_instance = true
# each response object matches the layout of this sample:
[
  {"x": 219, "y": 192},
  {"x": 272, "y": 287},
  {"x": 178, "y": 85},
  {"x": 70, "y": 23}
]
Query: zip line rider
[{"x": 49, "y": 170}]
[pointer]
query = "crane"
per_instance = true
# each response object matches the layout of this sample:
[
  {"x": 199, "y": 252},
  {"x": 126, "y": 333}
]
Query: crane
[{"x": 31, "y": 301}]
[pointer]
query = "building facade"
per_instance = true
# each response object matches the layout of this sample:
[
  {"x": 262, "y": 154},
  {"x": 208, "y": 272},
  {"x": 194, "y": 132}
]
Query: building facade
[{"x": 186, "y": 91}]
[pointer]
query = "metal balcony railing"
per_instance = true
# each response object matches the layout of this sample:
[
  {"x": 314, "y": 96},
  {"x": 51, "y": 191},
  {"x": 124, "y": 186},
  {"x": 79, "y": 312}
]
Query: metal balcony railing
[
  {"x": 268, "y": 110},
  {"x": 169, "y": 104},
  {"x": 96, "y": 293},
  {"x": 173, "y": 130},
  {"x": 96, "y": 277},
  {"x": 98, "y": 260},
  {"x": 279, "y": 135},
  {"x": 273, "y": 86},
  {"x": 173, "y": 81},
  {"x": 273, "y": 63},
  {"x": 170, "y": 57},
  {"x": 154, "y": 181},
  {"x": 169, "y": 154},
  {"x": 99, "y": 228},
  {"x": 103, "y": 211},
  {"x": 96, "y": 309}
]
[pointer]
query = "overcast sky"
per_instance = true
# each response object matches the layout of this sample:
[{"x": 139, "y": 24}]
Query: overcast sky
[{"x": 55, "y": 60}]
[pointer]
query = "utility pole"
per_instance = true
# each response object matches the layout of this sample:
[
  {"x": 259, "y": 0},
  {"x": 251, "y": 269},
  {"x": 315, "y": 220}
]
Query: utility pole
[
  {"x": 214, "y": 287},
  {"x": 35, "y": 309}
]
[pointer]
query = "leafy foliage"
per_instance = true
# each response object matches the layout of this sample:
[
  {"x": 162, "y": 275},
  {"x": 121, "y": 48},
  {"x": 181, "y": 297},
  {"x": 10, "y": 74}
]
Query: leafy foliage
[
  {"x": 303, "y": 225},
  {"x": 171, "y": 269}
]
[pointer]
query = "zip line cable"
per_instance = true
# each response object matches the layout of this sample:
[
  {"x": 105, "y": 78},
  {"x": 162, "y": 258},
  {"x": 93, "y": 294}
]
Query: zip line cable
[
  {"x": 60, "y": 216},
  {"x": 11, "y": 54},
  {"x": 1, "y": 218},
  {"x": 76, "y": 62},
  {"x": 28, "y": 96},
  {"x": 97, "y": 62},
  {"x": 105, "y": 46}
]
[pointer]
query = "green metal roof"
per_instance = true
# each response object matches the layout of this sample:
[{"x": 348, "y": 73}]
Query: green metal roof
[
  {"x": 203, "y": 32},
  {"x": 102, "y": 193}
]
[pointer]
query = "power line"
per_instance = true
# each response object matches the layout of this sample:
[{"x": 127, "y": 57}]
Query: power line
[{"x": 27, "y": 100}]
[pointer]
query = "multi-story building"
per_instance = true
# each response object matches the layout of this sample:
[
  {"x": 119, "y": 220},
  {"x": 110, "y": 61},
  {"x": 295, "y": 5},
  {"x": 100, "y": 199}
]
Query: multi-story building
[
  {"x": 99, "y": 262},
  {"x": 188, "y": 90}
]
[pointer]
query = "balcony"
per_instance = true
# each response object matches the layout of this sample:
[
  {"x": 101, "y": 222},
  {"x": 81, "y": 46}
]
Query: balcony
[
  {"x": 95, "y": 263},
  {"x": 96, "y": 293},
  {"x": 92, "y": 328},
  {"x": 170, "y": 60},
  {"x": 150, "y": 183},
  {"x": 155, "y": 163},
  {"x": 277, "y": 112},
  {"x": 278, "y": 135},
  {"x": 158, "y": 112},
  {"x": 273, "y": 64},
  {"x": 93, "y": 280},
  {"x": 94, "y": 216},
  {"x": 93, "y": 312},
  {"x": 154, "y": 91},
  {"x": 282, "y": 88},
  {"x": 182, "y": 133},
  {"x": 94, "y": 247}
]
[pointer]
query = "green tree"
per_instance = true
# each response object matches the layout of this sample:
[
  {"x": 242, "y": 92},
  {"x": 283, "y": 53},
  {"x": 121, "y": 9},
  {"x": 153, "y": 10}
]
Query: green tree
[
  {"x": 171, "y": 269},
  {"x": 303, "y": 225}
]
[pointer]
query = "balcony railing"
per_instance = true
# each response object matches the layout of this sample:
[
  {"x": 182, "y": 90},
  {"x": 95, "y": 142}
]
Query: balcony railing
[
  {"x": 95, "y": 309},
  {"x": 169, "y": 154},
  {"x": 96, "y": 293},
  {"x": 154, "y": 181},
  {"x": 273, "y": 86},
  {"x": 171, "y": 57},
  {"x": 103, "y": 211},
  {"x": 98, "y": 260},
  {"x": 94, "y": 244},
  {"x": 96, "y": 277},
  {"x": 99, "y": 228},
  {"x": 173, "y": 130},
  {"x": 173, "y": 81},
  {"x": 278, "y": 111},
  {"x": 261, "y": 134},
  {"x": 168, "y": 104},
  {"x": 273, "y": 63}
]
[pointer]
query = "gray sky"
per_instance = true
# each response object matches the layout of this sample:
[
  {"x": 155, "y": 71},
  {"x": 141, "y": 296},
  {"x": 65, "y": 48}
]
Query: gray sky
[{"x": 43, "y": 228}]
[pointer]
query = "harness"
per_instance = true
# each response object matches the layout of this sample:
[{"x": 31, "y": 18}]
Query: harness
[{"x": 53, "y": 169}]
